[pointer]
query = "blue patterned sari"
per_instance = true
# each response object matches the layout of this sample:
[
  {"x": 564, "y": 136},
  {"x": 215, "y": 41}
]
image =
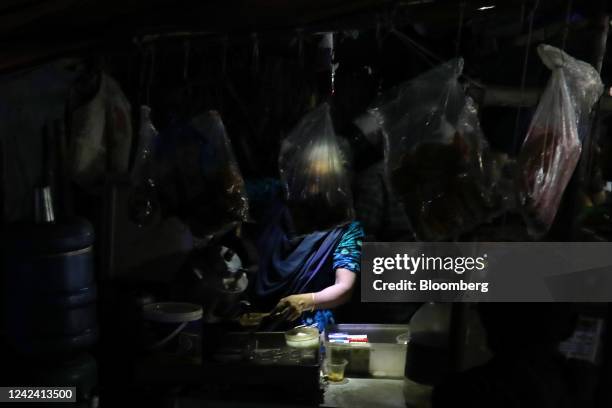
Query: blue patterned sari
[{"x": 306, "y": 264}]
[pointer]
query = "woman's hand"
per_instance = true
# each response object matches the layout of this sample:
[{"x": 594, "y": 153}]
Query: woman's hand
[
  {"x": 293, "y": 306},
  {"x": 332, "y": 296}
]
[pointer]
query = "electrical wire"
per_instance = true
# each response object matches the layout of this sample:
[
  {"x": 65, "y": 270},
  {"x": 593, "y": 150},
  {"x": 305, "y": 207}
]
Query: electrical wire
[
  {"x": 568, "y": 16},
  {"x": 524, "y": 72},
  {"x": 149, "y": 77},
  {"x": 459, "y": 29},
  {"x": 430, "y": 57},
  {"x": 254, "y": 53},
  {"x": 300, "y": 47},
  {"x": 186, "y": 57},
  {"x": 522, "y": 88}
]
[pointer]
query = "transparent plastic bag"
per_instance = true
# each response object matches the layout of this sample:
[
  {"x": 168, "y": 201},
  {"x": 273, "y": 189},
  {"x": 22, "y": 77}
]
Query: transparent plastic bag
[
  {"x": 314, "y": 174},
  {"x": 141, "y": 173},
  {"x": 199, "y": 177},
  {"x": 437, "y": 158},
  {"x": 583, "y": 82},
  {"x": 143, "y": 201},
  {"x": 552, "y": 147}
]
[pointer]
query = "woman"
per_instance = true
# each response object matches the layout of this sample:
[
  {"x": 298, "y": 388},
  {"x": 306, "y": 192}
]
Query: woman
[
  {"x": 305, "y": 276},
  {"x": 306, "y": 273}
]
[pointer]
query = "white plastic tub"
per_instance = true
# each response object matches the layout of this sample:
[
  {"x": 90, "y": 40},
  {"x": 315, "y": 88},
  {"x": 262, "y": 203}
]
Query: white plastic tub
[{"x": 381, "y": 357}]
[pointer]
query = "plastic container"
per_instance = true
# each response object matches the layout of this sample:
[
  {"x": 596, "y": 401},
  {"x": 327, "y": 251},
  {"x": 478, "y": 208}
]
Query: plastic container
[
  {"x": 381, "y": 357},
  {"x": 428, "y": 357},
  {"x": 167, "y": 321},
  {"x": 388, "y": 359},
  {"x": 303, "y": 337},
  {"x": 403, "y": 338},
  {"x": 335, "y": 370},
  {"x": 79, "y": 370},
  {"x": 50, "y": 291},
  {"x": 357, "y": 355}
]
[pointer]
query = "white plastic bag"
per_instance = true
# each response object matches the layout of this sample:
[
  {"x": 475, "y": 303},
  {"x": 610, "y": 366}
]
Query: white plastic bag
[{"x": 102, "y": 135}]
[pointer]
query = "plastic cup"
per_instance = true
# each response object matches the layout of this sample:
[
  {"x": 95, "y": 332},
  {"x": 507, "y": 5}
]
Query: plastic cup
[
  {"x": 403, "y": 338},
  {"x": 335, "y": 370}
]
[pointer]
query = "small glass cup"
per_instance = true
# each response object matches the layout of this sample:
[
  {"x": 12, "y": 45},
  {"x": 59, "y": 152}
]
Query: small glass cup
[{"x": 335, "y": 370}]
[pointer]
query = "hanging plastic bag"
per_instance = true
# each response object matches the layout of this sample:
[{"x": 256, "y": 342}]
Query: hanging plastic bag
[
  {"x": 102, "y": 134},
  {"x": 437, "y": 158},
  {"x": 143, "y": 201},
  {"x": 583, "y": 82},
  {"x": 552, "y": 147},
  {"x": 314, "y": 174},
  {"x": 199, "y": 177},
  {"x": 142, "y": 171}
]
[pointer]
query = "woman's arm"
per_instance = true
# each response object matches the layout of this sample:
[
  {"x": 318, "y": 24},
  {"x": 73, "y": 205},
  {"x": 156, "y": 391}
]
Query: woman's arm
[
  {"x": 337, "y": 294},
  {"x": 332, "y": 296},
  {"x": 346, "y": 264}
]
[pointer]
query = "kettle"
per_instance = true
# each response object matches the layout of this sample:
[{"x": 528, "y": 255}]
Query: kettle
[{"x": 214, "y": 277}]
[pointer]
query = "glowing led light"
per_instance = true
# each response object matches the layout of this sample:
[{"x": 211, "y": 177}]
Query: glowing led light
[{"x": 483, "y": 8}]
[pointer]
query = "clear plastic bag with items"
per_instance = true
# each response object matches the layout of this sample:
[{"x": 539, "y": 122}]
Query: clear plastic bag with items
[
  {"x": 437, "y": 158},
  {"x": 199, "y": 177},
  {"x": 314, "y": 173},
  {"x": 552, "y": 147}
]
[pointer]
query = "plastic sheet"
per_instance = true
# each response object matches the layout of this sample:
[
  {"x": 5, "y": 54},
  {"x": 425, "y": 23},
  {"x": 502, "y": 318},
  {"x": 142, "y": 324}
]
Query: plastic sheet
[
  {"x": 199, "y": 177},
  {"x": 437, "y": 158},
  {"x": 314, "y": 174},
  {"x": 552, "y": 147}
]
